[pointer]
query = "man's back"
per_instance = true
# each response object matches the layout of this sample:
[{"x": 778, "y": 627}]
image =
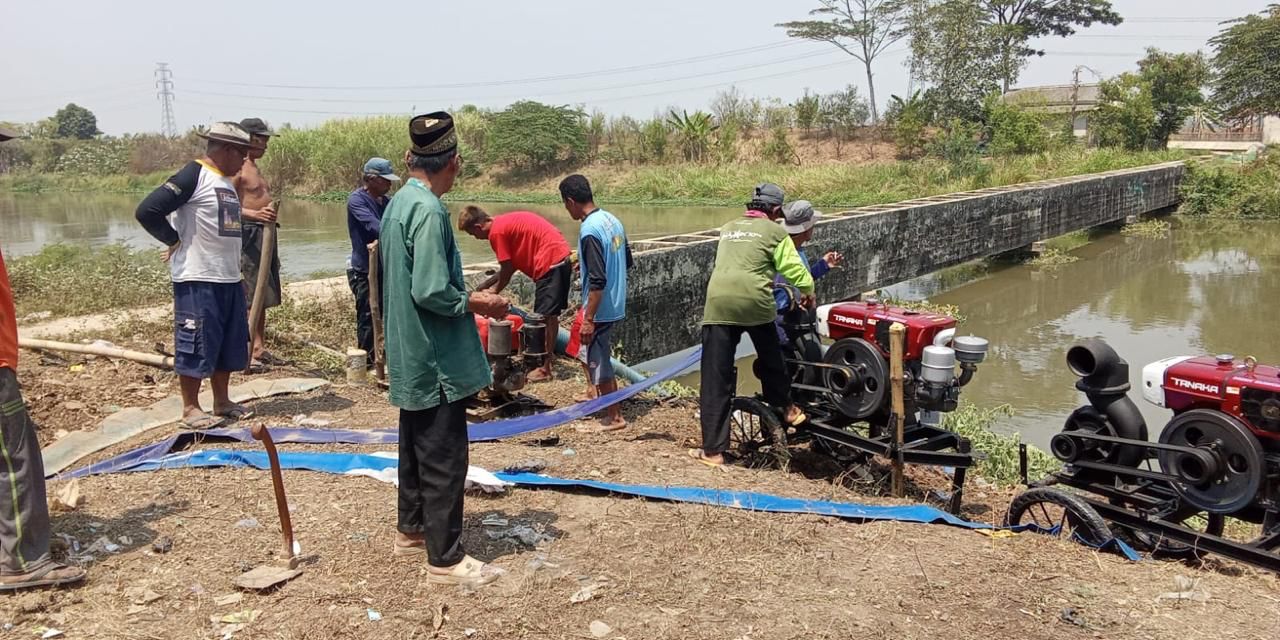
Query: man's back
[
  {"x": 611, "y": 235},
  {"x": 529, "y": 241},
  {"x": 740, "y": 290}
]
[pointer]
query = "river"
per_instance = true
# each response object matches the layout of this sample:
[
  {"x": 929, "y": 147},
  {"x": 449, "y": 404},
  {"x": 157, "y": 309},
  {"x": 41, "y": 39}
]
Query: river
[
  {"x": 313, "y": 235},
  {"x": 1205, "y": 288}
]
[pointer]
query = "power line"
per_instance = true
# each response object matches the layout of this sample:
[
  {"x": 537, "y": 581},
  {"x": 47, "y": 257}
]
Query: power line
[
  {"x": 519, "y": 81},
  {"x": 164, "y": 86}
]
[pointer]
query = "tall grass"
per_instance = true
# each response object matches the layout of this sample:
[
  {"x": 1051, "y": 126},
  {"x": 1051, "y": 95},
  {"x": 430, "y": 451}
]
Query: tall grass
[
  {"x": 1227, "y": 191},
  {"x": 1001, "y": 465},
  {"x": 68, "y": 280}
]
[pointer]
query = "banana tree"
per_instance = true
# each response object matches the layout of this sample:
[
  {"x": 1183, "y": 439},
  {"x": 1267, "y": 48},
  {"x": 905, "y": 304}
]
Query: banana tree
[{"x": 694, "y": 130}]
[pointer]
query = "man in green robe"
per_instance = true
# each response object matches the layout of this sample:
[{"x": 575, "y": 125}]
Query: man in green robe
[{"x": 434, "y": 357}]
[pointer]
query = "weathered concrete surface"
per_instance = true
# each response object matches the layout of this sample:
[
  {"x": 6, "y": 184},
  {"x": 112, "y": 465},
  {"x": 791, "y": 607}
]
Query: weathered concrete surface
[{"x": 886, "y": 244}]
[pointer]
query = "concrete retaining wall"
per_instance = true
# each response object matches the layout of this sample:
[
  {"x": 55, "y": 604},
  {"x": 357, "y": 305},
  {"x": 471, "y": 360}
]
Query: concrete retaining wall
[{"x": 884, "y": 244}]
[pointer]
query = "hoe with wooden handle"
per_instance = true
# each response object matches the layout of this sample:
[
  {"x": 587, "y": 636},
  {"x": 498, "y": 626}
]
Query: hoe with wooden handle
[{"x": 267, "y": 576}]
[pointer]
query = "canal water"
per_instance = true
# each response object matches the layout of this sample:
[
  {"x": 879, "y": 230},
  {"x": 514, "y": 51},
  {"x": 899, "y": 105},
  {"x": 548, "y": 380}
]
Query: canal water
[
  {"x": 1206, "y": 288},
  {"x": 313, "y": 235}
]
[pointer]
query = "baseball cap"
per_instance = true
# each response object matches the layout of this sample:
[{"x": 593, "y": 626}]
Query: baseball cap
[
  {"x": 380, "y": 167},
  {"x": 799, "y": 216},
  {"x": 769, "y": 193}
]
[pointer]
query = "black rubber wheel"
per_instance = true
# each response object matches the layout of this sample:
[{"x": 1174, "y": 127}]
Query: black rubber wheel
[
  {"x": 1231, "y": 480},
  {"x": 756, "y": 436},
  {"x": 1057, "y": 512},
  {"x": 862, "y": 356}
]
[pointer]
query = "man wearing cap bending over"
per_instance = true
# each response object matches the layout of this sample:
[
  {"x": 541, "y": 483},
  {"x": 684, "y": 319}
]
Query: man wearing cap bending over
[
  {"x": 798, "y": 220},
  {"x": 752, "y": 250},
  {"x": 434, "y": 357},
  {"x": 211, "y": 328},
  {"x": 526, "y": 242},
  {"x": 25, "y": 562},
  {"x": 364, "y": 220},
  {"x": 257, "y": 210}
]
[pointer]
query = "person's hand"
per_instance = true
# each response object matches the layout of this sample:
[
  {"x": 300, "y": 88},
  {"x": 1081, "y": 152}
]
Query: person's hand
[
  {"x": 170, "y": 250},
  {"x": 808, "y": 301},
  {"x": 585, "y": 332},
  {"x": 264, "y": 215},
  {"x": 372, "y": 246},
  {"x": 488, "y": 304},
  {"x": 833, "y": 259}
]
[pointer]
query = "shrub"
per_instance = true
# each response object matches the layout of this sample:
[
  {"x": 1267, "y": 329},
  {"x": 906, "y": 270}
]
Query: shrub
[
  {"x": 532, "y": 135},
  {"x": 1014, "y": 129}
]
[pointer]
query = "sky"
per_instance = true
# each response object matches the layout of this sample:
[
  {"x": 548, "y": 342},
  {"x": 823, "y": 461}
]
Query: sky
[{"x": 306, "y": 63}]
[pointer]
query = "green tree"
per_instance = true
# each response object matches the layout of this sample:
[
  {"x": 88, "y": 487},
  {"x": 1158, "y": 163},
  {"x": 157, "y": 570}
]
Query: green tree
[
  {"x": 806, "y": 110},
  {"x": 1016, "y": 22},
  {"x": 1176, "y": 81},
  {"x": 532, "y": 135},
  {"x": 694, "y": 130},
  {"x": 908, "y": 118},
  {"x": 1014, "y": 128},
  {"x": 860, "y": 28},
  {"x": 1246, "y": 63},
  {"x": 653, "y": 139},
  {"x": 841, "y": 114},
  {"x": 958, "y": 54},
  {"x": 75, "y": 121},
  {"x": 1126, "y": 114}
]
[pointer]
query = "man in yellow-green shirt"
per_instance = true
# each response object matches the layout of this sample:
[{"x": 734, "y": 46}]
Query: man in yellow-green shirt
[{"x": 752, "y": 250}]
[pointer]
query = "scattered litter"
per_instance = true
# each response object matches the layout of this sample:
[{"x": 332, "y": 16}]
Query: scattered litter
[
  {"x": 586, "y": 593},
  {"x": 438, "y": 618},
  {"x": 163, "y": 544},
  {"x": 142, "y": 596},
  {"x": 358, "y": 536},
  {"x": 1071, "y": 616},
  {"x": 72, "y": 543},
  {"x": 135, "y": 610},
  {"x": 521, "y": 533},
  {"x": 68, "y": 497},
  {"x": 230, "y": 598},
  {"x": 102, "y": 545},
  {"x": 241, "y": 617},
  {"x": 265, "y": 577},
  {"x": 374, "y": 616},
  {"x": 303, "y": 420},
  {"x": 540, "y": 562},
  {"x": 671, "y": 611},
  {"x": 599, "y": 629},
  {"x": 60, "y": 434},
  {"x": 568, "y": 452},
  {"x": 73, "y": 405},
  {"x": 46, "y": 632},
  {"x": 478, "y": 478},
  {"x": 549, "y": 441},
  {"x": 196, "y": 589},
  {"x": 1186, "y": 590},
  {"x": 494, "y": 520},
  {"x": 997, "y": 533},
  {"x": 247, "y": 523},
  {"x": 532, "y": 465},
  {"x": 126, "y": 541},
  {"x": 76, "y": 368},
  {"x": 468, "y": 632}
]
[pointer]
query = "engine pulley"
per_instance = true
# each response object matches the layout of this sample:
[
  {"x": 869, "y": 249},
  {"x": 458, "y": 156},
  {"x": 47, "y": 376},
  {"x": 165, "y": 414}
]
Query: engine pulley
[
  {"x": 1225, "y": 472},
  {"x": 863, "y": 399}
]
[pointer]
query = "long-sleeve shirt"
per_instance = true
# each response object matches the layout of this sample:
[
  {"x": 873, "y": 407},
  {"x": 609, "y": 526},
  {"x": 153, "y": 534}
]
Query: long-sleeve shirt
[
  {"x": 781, "y": 298},
  {"x": 752, "y": 250},
  {"x": 433, "y": 348},
  {"x": 198, "y": 207},
  {"x": 364, "y": 222}
]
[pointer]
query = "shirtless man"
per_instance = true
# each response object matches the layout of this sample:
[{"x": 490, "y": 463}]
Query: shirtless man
[{"x": 255, "y": 200}]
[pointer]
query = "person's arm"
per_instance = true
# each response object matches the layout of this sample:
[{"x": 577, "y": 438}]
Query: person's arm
[
  {"x": 365, "y": 215},
  {"x": 630, "y": 261},
  {"x": 787, "y": 262},
  {"x": 781, "y": 299},
  {"x": 597, "y": 278},
  {"x": 819, "y": 268},
  {"x": 153, "y": 212},
  {"x": 501, "y": 279},
  {"x": 429, "y": 281}
]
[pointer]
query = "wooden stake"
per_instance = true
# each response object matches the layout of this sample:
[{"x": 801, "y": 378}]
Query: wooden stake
[
  {"x": 155, "y": 360},
  {"x": 375, "y": 310},
  {"x": 264, "y": 270},
  {"x": 897, "y": 334}
]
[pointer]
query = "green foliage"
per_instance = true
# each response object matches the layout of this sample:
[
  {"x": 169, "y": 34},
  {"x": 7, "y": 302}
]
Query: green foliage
[
  {"x": 863, "y": 29},
  {"x": 653, "y": 140},
  {"x": 727, "y": 141},
  {"x": 1153, "y": 228},
  {"x": 536, "y": 136},
  {"x": 1226, "y": 191},
  {"x": 596, "y": 131},
  {"x": 1014, "y": 129},
  {"x": 1247, "y": 65},
  {"x": 778, "y": 116},
  {"x": 75, "y": 121},
  {"x": 841, "y": 114},
  {"x": 1016, "y": 23},
  {"x": 778, "y": 148},
  {"x": 731, "y": 106},
  {"x": 1001, "y": 465},
  {"x": 330, "y": 156},
  {"x": 1126, "y": 115},
  {"x": 908, "y": 119},
  {"x": 105, "y": 156},
  {"x": 1175, "y": 80},
  {"x": 807, "y": 109},
  {"x": 958, "y": 53},
  {"x": 694, "y": 132},
  {"x": 69, "y": 280}
]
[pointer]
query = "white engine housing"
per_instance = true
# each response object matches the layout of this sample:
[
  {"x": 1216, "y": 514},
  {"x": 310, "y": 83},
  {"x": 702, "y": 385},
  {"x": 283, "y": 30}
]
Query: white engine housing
[
  {"x": 823, "y": 312},
  {"x": 1153, "y": 379}
]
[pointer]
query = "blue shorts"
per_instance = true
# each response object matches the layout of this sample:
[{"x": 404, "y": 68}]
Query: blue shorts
[
  {"x": 598, "y": 356},
  {"x": 211, "y": 328}
]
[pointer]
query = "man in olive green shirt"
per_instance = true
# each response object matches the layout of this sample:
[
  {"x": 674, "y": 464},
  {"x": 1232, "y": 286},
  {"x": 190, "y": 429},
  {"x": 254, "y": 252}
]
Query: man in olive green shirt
[
  {"x": 752, "y": 250},
  {"x": 434, "y": 357}
]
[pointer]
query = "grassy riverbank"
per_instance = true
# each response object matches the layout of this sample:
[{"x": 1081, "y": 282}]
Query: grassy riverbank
[
  {"x": 826, "y": 184},
  {"x": 1248, "y": 192}
]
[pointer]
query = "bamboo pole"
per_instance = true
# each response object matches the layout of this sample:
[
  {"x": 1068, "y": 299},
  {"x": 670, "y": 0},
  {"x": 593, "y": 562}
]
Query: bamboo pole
[
  {"x": 264, "y": 271},
  {"x": 155, "y": 360},
  {"x": 375, "y": 310},
  {"x": 897, "y": 333}
]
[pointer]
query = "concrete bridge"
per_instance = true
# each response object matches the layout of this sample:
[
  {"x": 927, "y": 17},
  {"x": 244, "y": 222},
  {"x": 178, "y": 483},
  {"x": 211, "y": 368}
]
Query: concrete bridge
[{"x": 883, "y": 244}]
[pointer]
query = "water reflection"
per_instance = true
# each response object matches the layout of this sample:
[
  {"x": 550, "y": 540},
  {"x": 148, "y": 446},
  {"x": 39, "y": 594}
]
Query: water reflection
[{"x": 313, "y": 235}]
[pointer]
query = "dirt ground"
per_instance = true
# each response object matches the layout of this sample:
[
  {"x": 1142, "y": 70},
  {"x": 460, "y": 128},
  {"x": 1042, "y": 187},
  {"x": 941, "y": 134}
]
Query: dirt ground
[{"x": 654, "y": 569}]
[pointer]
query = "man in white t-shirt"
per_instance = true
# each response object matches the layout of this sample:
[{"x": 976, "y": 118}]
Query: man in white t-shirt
[{"x": 197, "y": 215}]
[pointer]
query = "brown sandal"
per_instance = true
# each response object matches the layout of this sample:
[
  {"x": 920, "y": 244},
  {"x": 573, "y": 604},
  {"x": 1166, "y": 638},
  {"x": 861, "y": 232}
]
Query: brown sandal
[
  {"x": 50, "y": 575},
  {"x": 470, "y": 572}
]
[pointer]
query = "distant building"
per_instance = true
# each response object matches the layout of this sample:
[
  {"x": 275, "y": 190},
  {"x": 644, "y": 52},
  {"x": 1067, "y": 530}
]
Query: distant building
[
  {"x": 1059, "y": 98},
  {"x": 1252, "y": 133}
]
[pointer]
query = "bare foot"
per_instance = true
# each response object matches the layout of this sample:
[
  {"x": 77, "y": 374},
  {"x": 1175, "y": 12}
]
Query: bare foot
[
  {"x": 539, "y": 375},
  {"x": 409, "y": 544}
]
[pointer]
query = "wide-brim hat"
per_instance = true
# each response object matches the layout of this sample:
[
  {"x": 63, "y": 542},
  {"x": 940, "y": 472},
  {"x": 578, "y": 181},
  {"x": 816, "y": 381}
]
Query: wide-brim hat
[
  {"x": 432, "y": 134},
  {"x": 769, "y": 193},
  {"x": 799, "y": 217},
  {"x": 228, "y": 132}
]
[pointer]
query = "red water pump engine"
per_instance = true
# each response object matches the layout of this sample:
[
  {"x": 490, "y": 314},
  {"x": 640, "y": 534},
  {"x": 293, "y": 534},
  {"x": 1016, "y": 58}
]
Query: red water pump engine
[{"x": 931, "y": 352}]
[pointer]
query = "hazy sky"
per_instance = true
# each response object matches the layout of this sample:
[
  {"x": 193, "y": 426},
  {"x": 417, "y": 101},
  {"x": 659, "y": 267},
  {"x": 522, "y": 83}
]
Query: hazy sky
[{"x": 410, "y": 56}]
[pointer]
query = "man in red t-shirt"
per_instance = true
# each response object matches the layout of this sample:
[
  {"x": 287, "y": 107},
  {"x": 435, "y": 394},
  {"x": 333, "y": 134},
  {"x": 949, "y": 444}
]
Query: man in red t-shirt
[
  {"x": 526, "y": 242},
  {"x": 24, "y": 516}
]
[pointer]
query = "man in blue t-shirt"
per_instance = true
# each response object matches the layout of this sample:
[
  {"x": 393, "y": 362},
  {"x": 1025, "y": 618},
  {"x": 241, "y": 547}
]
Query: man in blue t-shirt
[
  {"x": 604, "y": 256},
  {"x": 364, "y": 220}
]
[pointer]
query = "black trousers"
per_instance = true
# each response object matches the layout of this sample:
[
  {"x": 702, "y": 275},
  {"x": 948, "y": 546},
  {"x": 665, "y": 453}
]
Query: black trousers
[
  {"x": 719, "y": 345},
  {"x": 359, "y": 283},
  {"x": 433, "y": 475}
]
